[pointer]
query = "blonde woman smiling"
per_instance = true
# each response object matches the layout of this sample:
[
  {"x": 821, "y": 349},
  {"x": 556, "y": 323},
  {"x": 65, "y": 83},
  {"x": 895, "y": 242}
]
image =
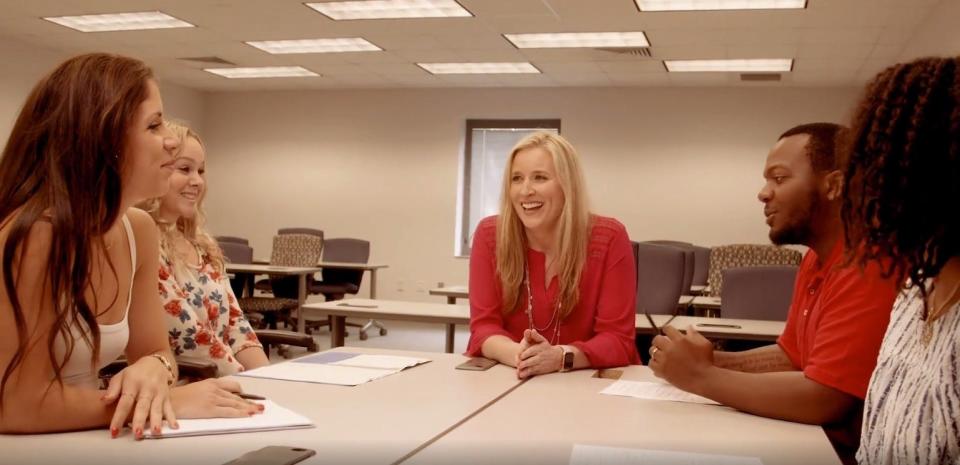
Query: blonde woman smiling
[{"x": 552, "y": 286}]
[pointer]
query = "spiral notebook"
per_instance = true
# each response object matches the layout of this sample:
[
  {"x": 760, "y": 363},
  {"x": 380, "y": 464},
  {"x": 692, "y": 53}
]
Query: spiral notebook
[{"x": 273, "y": 417}]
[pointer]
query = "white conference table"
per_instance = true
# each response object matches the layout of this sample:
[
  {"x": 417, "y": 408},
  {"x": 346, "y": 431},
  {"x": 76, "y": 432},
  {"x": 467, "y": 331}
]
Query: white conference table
[
  {"x": 452, "y": 293},
  {"x": 378, "y": 422},
  {"x": 426, "y": 312},
  {"x": 717, "y": 328},
  {"x": 541, "y": 420}
]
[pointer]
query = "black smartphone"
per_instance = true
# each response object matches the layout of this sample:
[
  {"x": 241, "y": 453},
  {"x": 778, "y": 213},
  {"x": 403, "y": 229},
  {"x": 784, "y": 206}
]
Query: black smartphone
[
  {"x": 273, "y": 455},
  {"x": 477, "y": 364}
]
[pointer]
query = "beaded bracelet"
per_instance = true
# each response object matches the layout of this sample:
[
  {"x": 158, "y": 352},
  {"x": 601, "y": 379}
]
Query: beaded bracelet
[{"x": 166, "y": 365}]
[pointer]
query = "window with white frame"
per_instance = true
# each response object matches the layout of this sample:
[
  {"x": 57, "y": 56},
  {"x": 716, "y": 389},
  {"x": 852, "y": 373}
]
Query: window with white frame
[{"x": 488, "y": 144}]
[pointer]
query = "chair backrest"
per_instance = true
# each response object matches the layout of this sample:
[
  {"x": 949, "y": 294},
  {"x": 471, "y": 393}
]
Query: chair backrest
[
  {"x": 659, "y": 278},
  {"x": 740, "y": 255},
  {"x": 239, "y": 240},
  {"x": 701, "y": 265},
  {"x": 689, "y": 260},
  {"x": 636, "y": 252},
  {"x": 293, "y": 250},
  {"x": 758, "y": 292},
  {"x": 310, "y": 231},
  {"x": 236, "y": 252},
  {"x": 346, "y": 250}
]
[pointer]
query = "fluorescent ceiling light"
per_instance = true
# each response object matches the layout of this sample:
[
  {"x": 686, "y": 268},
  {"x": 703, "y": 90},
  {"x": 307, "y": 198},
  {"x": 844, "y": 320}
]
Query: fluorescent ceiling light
[
  {"x": 579, "y": 39},
  {"x": 349, "y": 44},
  {"x": 729, "y": 66},
  {"x": 479, "y": 68},
  {"x": 119, "y": 21},
  {"x": 262, "y": 72},
  {"x": 391, "y": 9},
  {"x": 707, "y": 5}
]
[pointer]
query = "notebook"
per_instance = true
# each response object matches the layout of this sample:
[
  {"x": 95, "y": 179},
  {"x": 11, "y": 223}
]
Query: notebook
[
  {"x": 273, "y": 417},
  {"x": 341, "y": 368}
]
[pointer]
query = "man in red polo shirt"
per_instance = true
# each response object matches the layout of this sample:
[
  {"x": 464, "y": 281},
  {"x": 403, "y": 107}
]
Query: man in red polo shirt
[{"x": 819, "y": 369}]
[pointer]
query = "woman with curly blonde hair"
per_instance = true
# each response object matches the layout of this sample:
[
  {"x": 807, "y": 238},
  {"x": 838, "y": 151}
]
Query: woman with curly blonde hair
[{"x": 203, "y": 318}]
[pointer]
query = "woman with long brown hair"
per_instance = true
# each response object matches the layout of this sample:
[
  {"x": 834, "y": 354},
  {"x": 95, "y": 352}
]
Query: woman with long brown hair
[
  {"x": 902, "y": 186},
  {"x": 552, "y": 286},
  {"x": 79, "y": 264}
]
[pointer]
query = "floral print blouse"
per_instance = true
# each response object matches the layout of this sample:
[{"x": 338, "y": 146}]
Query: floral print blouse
[{"x": 203, "y": 318}]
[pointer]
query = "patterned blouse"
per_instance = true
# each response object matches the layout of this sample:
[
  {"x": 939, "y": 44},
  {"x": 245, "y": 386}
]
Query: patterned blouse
[
  {"x": 203, "y": 318},
  {"x": 912, "y": 410}
]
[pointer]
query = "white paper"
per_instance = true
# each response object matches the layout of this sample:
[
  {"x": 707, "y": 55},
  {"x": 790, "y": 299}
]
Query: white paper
[
  {"x": 598, "y": 455},
  {"x": 273, "y": 417},
  {"x": 654, "y": 391},
  {"x": 383, "y": 362},
  {"x": 318, "y": 373}
]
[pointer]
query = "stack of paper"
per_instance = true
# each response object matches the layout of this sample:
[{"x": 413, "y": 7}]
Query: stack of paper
[
  {"x": 342, "y": 368},
  {"x": 273, "y": 417},
  {"x": 653, "y": 391},
  {"x": 597, "y": 455}
]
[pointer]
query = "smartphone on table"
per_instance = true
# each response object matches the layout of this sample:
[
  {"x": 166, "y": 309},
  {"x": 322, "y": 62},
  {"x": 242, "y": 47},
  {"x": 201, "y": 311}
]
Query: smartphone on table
[
  {"x": 273, "y": 455},
  {"x": 477, "y": 364}
]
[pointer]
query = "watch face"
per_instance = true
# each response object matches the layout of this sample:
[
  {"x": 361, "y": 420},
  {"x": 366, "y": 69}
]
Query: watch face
[{"x": 568, "y": 360}]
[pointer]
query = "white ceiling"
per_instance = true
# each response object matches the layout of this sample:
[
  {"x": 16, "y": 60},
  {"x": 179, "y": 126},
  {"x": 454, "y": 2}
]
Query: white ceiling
[{"x": 834, "y": 42}]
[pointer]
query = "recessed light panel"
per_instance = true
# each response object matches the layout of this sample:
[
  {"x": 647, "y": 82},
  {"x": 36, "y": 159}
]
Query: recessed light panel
[
  {"x": 579, "y": 39},
  {"x": 262, "y": 72},
  {"x": 119, "y": 21},
  {"x": 729, "y": 66},
  {"x": 348, "y": 44},
  {"x": 391, "y": 9},
  {"x": 479, "y": 68},
  {"x": 708, "y": 5}
]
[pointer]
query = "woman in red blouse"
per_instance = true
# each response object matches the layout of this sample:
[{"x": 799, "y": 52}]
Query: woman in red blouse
[{"x": 552, "y": 286}]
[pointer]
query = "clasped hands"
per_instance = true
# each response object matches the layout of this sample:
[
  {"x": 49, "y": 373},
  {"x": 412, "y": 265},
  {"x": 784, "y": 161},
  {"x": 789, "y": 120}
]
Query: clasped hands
[
  {"x": 537, "y": 356},
  {"x": 142, "y": 395}
]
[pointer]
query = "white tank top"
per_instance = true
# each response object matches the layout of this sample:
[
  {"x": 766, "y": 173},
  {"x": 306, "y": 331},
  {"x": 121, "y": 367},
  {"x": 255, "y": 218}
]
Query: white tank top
[{"x": 113, "y": 338}]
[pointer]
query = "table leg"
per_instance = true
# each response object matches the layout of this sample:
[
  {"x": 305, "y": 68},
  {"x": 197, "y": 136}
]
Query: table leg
[
  {"x": 451, "y": 300},
  {"x": 373, "y": 283},
  {"x": 301, "y": 299},
  {"x": 337, "y": 330},
  {"x": 451, "y": 328}
]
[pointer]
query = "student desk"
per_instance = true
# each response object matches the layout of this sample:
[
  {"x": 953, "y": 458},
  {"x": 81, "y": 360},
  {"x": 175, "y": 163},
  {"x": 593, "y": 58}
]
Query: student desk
[
  {"x": 540, "y": 421},
  {"x": 452, "y": 293},
  {"x": 340, "y": 310},
  {"x": 378, "y": 422},
  {"x": 717, "y": 328},
  {"x": 301, "y": 272}
]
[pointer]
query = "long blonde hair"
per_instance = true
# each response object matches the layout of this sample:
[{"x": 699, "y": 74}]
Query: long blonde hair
[
  {"x": 573, "y": 224},
  {"x": 190, "y": 228}
]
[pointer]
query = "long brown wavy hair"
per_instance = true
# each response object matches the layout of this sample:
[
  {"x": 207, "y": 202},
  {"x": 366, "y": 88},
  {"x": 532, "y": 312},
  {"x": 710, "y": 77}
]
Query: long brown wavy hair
[
  {"x": 62, "y": 163},
  {"x": 574, "y": 225},
  {"x": 193, "y": 229},
  {"x": 903, "y": 173}
]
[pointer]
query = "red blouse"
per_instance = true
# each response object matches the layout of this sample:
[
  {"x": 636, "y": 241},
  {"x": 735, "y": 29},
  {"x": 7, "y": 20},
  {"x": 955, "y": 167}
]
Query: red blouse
[{"x": 602, "y": 324}]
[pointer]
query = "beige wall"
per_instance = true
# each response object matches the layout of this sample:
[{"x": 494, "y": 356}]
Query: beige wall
[{"x": 383, "y": 165}]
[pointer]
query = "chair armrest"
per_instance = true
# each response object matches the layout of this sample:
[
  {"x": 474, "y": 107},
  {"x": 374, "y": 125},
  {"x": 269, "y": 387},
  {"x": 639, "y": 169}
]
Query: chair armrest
[
  {"x": 196, "y": 368},
  {"x": 278, "y": 336}
]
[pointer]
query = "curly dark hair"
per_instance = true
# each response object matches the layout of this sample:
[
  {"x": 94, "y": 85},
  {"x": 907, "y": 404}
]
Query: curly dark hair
[{"x": 902, "y": 177}]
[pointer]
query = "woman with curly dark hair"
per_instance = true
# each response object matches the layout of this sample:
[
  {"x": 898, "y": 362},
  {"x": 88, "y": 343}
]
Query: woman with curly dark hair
[{"x": 902, "y": 185}]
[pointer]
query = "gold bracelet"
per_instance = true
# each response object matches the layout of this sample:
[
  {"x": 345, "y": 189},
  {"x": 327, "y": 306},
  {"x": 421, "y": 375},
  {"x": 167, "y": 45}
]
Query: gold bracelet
[{"x": 166, "y": 365}]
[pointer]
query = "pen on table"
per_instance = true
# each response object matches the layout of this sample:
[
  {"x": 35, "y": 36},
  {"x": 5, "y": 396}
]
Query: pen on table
[
  {"x": 244, "y": 395},
  {"x": 655, "y": 328},
  {"x": 713, "y": 325}
]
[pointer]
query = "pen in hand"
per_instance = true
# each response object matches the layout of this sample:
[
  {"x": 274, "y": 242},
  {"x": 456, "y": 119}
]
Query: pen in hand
[{"x": 244, "y": 395}]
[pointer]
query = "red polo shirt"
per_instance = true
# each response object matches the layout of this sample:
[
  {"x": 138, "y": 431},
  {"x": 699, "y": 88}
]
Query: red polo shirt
[{"x": 837, "y": 320}]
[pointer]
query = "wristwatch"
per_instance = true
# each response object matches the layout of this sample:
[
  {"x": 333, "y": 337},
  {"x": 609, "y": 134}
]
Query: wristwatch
[{"x": 566, "y": 359}]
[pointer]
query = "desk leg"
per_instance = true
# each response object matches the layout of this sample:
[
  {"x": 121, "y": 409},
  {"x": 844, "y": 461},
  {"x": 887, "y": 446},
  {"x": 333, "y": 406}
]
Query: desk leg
[
  {"x": 301, "y": 298},
  {"x": 337, "y": 330},
  {"x": 451, "y": 300},
  {"x": 451, "y": 329},
  {"x": 373, "y": 284}
]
